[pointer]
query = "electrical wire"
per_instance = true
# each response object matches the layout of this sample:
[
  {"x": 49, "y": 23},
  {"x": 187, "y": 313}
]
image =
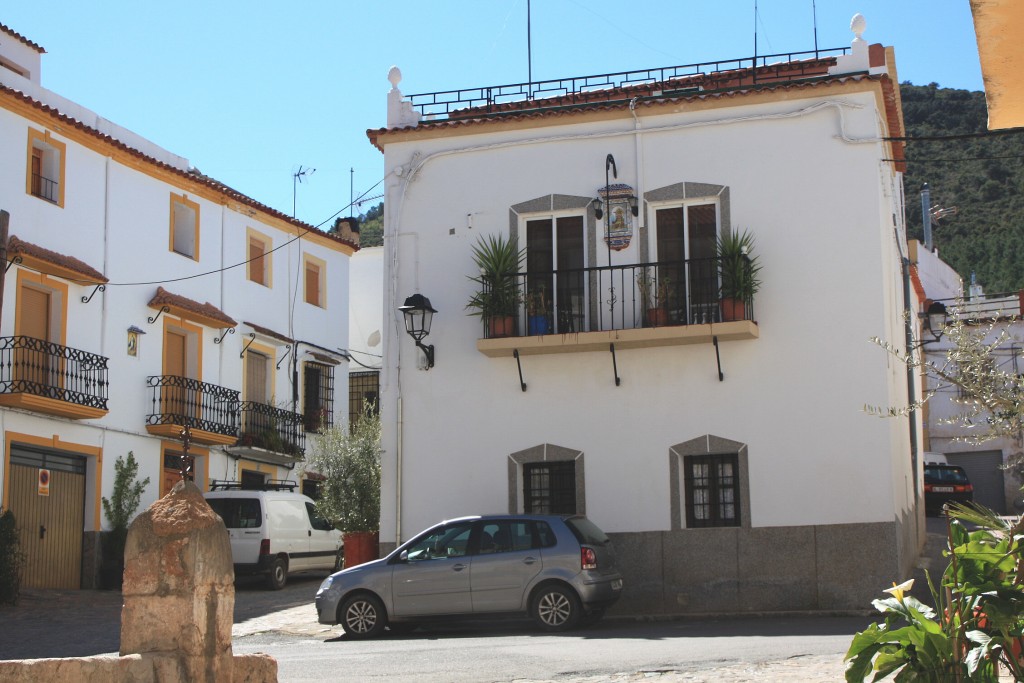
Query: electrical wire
[{"x": 84, "y": 281}]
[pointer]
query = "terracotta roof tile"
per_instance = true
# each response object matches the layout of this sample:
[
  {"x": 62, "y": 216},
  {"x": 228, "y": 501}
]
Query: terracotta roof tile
[
  {"x": 14, "y": 34},
  {"x": 191, "y": 174},
  {"x": 64, "y": 265},
  {"x": 267, "y": 332},
  {"x": 188, "y": 308}
]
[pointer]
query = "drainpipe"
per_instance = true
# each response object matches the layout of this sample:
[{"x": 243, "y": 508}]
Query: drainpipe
[
  {"x": 398, "y": 481},
  {"x": 926, "y": 216},
  {"x": 911, "y": 379},
  {"x": 4, "y": 222}
]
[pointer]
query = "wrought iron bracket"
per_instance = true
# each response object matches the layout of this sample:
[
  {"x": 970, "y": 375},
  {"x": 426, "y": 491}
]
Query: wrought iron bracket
[
  {"x": 718, "y": 358},
  {"x": 226, "y": 332},
  {"x": 252, "y": 338},
  {"x": 16, "y": 259},
  {"x": 515, "y": 354},
  {"x": 163, "y": 309},
  {"x": 98, "y": 288},
  {"x": 278, "y": 366},
  {"x": 615, "y": 365}
]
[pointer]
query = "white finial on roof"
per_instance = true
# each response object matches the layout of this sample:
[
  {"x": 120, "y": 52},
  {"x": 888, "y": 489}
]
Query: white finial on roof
[
  {"x": 857, "y": 60},
  {"x": 858, "y": 24},
  {"x": 400, "y": 112}
]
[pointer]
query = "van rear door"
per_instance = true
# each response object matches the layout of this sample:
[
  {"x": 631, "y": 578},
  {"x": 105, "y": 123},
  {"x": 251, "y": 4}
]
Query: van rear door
[
  {"x": 244, "y": 519},
  {"x": 289, "y": 531}
]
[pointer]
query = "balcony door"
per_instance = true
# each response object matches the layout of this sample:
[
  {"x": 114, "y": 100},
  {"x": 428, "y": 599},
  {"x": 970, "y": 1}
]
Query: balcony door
[
  {"x": 257, "y": 381},
  {"x": 555, "y": 282},
  {"x": 686, "y": 281},
  {"x": 180, "y": 395},
  {"x": 32, "y": 362}
]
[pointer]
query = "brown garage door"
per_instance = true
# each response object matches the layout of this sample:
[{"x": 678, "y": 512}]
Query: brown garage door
[{"x": 51, "y": 527}]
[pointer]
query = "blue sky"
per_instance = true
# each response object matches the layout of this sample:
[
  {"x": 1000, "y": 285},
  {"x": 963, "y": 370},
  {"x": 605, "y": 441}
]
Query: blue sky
[{"x": 250, "y": 91}]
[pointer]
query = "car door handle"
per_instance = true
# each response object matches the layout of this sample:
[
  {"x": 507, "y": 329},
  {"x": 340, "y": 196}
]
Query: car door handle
[
  {"x": 458, "y": 567},
  {"x": 529, "y": 560}
]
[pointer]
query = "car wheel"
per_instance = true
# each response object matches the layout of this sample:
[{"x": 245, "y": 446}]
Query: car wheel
[
  {"x": 362, "y": 616},
  {"x": 277, "y": 577},
  {"x": 556, "y": 608}
]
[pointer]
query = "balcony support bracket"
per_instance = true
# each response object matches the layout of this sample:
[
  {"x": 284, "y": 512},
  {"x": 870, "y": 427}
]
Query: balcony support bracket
[
  {"x": 615, "y": 365},
  {"x": 278, "y": 366},
  {"x": 226, "y": 332},
  {"x": 163, "y": 309},
  {"x": 252, "y": 338},
  {"x": 16, "y": 259},
  {"x": 718, "y": 359},
  {"x": 98, "y": 288},
  {"x": 519, "y": 363}
]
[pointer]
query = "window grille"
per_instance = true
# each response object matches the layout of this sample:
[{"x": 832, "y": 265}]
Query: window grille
[
  {"x": 363, "y": 386},
  {"x": 318, "y": 396},
  {"x": 712, "y": 490},
  {"x": 550, "y": 487}
]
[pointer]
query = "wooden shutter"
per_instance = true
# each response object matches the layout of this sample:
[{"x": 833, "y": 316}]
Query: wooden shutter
[
  {"x": 312, "y": 284},
  {"x": 257, "y": 267}
]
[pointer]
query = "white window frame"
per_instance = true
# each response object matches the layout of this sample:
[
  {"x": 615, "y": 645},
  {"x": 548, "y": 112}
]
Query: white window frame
[{"x": 553, "y": 216}]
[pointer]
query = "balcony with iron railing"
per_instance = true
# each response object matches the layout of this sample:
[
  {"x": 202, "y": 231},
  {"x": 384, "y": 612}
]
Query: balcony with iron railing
[
  {"x": 211, "y": 412},
  {"x": 631, "y": 306},
  {"x": 49, "y": 378},
  {"x": 269, "y": 428},
  {"x": 44, "y": 188}
]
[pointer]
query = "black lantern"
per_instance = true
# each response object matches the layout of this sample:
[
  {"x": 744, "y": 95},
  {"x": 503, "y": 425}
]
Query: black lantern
[
  {"x": 418, "y": 315},
  {"x": 935, "y": 319}
]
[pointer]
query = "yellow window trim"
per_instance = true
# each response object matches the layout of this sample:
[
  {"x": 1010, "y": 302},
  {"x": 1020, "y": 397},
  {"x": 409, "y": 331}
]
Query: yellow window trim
[
  {"x": 185, "y": 201},
  {"x": 179, "y": 325},
  {"x": 27, "y": 278},
  {"x": 61, "y": 148},
  {"x": 194, "y": 451},
  {"x": 271, "y": 353},
  {"x": 268, "y": 261}
]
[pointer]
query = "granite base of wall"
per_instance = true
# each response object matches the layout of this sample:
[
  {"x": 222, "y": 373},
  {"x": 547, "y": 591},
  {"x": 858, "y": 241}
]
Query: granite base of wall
[
  {"x": 766, "y": 569},
  {"x": 147, "y": 668},
  {"x": 91, "y": 558}
]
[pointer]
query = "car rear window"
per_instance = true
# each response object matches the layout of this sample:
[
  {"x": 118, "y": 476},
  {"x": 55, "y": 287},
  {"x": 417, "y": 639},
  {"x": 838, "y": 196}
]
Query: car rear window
[
  {"x": 945, "y": 475},
  {"x": 238, "y": 513},
  {"x": 586, "y": 531}
]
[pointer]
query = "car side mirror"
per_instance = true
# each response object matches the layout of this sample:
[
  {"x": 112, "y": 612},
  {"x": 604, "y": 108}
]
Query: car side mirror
[{"x": 403, "y": 556}]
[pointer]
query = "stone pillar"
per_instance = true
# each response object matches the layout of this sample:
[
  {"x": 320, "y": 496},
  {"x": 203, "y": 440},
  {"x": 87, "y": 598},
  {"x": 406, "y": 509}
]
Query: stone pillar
[{"x": 179, "y": 593}]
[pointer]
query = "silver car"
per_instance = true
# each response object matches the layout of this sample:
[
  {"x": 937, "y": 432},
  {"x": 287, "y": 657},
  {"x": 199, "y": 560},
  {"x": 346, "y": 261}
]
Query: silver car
[{"x": 559, "y": 569}]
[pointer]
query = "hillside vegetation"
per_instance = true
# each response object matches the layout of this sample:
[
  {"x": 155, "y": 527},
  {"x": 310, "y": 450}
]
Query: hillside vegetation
[{"x": 981, "y": 176}]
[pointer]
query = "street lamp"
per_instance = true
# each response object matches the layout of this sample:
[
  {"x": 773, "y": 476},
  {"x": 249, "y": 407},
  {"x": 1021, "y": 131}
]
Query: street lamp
[
  {"x": 935, "y": 319},
  {"x": 418, "y": 316}
]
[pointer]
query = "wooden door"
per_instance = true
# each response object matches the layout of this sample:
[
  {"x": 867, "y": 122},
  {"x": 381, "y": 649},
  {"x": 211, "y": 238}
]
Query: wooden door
[
  {"x": 177, "y": 398},
  {"x": 50, "y": 527},
  {"x": 32, "y": 363},
  {"x": 256, "y": 422}
]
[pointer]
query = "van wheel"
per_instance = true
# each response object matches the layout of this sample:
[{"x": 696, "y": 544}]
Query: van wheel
[
  {"x": 362, "y": 616},
  {"x": 339, "y": 559},
  {"x": 277, "y": 577},
  {"x": 555, "y": 608}
]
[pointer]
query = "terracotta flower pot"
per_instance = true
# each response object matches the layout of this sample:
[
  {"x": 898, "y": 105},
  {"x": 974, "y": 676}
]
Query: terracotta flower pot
[
  {"x": 501, "y": 326},
  {"x": 657, "y": 317},
  {"x": 733, "y": 309}
]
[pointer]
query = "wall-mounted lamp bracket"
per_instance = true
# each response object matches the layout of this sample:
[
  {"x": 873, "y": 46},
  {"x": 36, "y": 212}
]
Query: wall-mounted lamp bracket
[
  {"x": 98, "y": 288},
  {"x": 252, "y": 338},
  {"x": 515, "y": 354},
  {"x": 278, "y": 366},
  {"x": 615, "y": 365},
  {"x": 163, "y": 309},
  {"x": 16, "y": 259},
  {"x": 226, "y": 332},
  {"x": 718, "y": 359}
]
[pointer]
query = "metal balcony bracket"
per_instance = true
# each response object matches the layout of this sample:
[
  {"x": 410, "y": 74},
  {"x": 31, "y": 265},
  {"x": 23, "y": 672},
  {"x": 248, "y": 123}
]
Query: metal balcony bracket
[
  {"x": 252, "y": 338},
  {"x": 226, "y": 332},
  {"x": 615, "y": 365},
  {"x": 163, "y": 309},
  {"x": 718, "y": 359},
  {"x": 515, "y": 354},
  {"x": 16, "y": 259},
  {"x": 284, "y": 356},
  {"x": 98, "y": 288}
]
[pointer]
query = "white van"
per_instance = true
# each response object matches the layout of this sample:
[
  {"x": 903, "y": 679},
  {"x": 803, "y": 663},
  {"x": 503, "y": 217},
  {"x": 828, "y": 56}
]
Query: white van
[{"x": 275, "y": 531}]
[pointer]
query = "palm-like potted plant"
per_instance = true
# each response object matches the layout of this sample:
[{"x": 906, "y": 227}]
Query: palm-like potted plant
[
  {"x": 739, "y": 269},
  {"x": 498, "y": 296},
  {"x": 655, "y": 293}
]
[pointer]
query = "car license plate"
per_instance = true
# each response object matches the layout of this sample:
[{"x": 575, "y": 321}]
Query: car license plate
[
  {"x": 942, "y": 489},
  {"x": 617, "y": 585}
]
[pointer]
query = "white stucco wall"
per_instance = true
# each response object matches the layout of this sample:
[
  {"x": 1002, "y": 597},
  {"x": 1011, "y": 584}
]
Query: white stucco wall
[{"x": 821, "y": 208}]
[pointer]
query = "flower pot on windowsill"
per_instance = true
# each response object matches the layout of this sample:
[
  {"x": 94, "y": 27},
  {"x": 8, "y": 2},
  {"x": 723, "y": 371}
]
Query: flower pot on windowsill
[
  {"x": 657, "y": 317},
  {"x": 733, "y": 309},
  {"x": 501, "y": 326},
  {"x": 360, "y": 547},
  {"x": 538, "y": 324}
]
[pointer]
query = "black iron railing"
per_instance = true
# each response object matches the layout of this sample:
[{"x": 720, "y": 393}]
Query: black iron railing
[
  {"x": 44, "y": 188},
  {"x": 184, "y": 401},
  {"x": 271, "y": 428},
  {"x": 41, "y": 368},
  {"x": 618, "y": 298},
  {"x": 604, "y": 87}
]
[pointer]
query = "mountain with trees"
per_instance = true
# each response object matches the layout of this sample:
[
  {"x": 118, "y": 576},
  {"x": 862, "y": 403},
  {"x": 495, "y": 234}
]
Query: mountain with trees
[
  {"x": 371, "y": 226},
  {"x": 981, "y": 174}
]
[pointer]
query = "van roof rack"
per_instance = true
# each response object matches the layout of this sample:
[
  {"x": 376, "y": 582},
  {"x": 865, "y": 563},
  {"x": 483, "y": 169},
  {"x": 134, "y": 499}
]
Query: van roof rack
[{"x": 268, "y": 485}]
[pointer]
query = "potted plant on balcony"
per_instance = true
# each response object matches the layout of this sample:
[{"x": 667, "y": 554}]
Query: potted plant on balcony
[
  {"x": 537, "y": 310},
  {"x": 739, "y": 269},
  {"x": 498, "y": 296},
  {"x": 655, "y": 293}
]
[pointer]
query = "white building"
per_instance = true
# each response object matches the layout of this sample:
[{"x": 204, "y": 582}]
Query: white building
[
  {"x": 731, "y": 461},
  {"x": 144, "y": 297},
  {"x": 989, "y": 464}
]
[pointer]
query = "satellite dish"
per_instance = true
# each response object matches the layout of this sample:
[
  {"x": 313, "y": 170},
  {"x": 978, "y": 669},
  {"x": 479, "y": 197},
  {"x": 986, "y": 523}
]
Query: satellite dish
[{"x": 374, "y": 339}]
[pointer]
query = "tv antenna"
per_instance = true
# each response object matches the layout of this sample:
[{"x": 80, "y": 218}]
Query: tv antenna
[{"x": 296, "y": 179}]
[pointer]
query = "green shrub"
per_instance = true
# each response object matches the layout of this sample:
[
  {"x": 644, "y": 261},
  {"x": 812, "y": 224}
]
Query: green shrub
[
  {"x": 12, "y": 560},
  {"x": 120, "y": 510}
]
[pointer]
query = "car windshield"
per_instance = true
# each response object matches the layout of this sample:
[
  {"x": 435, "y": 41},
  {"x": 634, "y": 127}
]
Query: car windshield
[
  {"x": 945, "y": 475},
  {"x": 586, "y": 531}
]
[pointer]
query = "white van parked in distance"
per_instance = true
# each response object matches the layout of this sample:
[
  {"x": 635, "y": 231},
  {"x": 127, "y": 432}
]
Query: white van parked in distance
[{"x": 275, "y": 531}]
